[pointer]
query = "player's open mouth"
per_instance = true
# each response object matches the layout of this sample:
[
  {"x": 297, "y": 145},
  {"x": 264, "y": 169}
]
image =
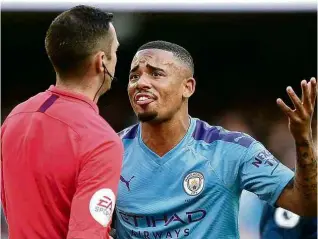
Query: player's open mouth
[{"x": 143, "y": 98}]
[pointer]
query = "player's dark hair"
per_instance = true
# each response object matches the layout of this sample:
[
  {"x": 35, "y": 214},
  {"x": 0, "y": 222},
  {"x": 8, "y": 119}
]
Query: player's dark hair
[
  {"x": 76, "y": 34},
  {"x": 181, "y": 53}
]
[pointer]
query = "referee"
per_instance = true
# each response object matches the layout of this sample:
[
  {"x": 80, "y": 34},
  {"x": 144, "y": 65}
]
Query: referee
[{"x": 60, "y": 160}]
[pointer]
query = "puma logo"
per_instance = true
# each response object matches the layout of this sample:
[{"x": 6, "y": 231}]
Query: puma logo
[{"x": 126, "y": 182}]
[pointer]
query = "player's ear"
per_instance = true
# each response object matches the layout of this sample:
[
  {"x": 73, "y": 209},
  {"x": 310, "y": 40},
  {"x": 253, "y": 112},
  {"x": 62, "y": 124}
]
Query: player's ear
[
  {"x": 99, "y": 61},
  {"x": 188, "y": 87}
]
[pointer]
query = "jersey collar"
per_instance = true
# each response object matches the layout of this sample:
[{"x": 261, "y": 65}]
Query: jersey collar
[
  {"x": 174, "y": 151},
  {"x": 76, "y": 96}
]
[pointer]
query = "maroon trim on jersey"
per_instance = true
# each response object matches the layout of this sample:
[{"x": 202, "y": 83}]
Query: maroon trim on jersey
[
  {"x": 77, "y": 96},
  {"x": 48, "y": 103}
]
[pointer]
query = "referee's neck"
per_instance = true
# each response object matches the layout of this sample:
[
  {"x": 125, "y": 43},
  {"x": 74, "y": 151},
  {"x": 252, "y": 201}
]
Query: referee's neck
[{"x": 73, "y": 86}]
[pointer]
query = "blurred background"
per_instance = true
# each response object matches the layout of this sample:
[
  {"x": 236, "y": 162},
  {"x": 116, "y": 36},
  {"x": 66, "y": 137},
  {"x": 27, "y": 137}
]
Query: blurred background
[{"x": 244, "y": 57}]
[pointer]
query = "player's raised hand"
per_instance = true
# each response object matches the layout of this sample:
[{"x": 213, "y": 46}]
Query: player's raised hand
[{"x": 300, "y": 117}]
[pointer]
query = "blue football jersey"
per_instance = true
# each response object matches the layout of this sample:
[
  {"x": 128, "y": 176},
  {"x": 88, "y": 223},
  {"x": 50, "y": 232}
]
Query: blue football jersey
[{"x": 193, "y": 191}]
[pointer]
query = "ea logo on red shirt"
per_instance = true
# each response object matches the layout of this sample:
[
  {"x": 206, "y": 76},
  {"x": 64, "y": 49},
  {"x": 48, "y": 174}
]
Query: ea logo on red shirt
[{"x": 102, "y": 206}]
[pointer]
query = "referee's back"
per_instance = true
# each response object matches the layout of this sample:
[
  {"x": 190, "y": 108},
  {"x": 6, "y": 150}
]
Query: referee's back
[{"x": 59, "y": 160}]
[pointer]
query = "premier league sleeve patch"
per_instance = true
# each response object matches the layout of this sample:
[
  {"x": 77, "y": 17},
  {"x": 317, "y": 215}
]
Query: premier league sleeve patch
[{"x": 285, "y": 218}]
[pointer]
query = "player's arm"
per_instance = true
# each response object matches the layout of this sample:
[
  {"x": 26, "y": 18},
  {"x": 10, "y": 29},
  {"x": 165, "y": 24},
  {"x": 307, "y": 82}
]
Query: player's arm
[
  {"x": 300, "y": 195},
  {"x": 261, "y": 173},
  {"x": 94, "y": 201}
]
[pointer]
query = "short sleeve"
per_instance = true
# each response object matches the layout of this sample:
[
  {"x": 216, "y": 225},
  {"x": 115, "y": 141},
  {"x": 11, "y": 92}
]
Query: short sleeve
[
  {"x": 261, "y": 173},
  {"x": 94, "y": 200}
]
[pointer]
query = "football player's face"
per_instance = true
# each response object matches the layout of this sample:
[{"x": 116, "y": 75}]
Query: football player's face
[{"x": 155, "y": 86}]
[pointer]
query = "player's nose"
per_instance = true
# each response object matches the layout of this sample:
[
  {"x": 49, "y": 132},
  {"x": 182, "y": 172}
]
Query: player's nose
[{"x": 143, "y": 82}]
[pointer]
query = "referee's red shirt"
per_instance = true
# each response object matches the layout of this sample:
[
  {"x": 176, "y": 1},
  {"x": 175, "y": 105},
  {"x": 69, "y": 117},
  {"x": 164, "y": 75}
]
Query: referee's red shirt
[{"x": 60, "y": 168}]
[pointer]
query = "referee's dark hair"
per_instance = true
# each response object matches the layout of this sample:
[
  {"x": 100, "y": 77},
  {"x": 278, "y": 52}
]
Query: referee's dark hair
[
  {"x": 76, "y": 34},
  {"x": 179, "y": 52}
]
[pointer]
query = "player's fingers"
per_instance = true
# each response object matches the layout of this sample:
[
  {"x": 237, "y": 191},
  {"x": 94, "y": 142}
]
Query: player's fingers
[
  {"x": 281, "y": 104},
  {"x": 302, "y": 95},
  {"x": 313, "y": 90},
  {"x": 305, "y": 94},
  {"x": 296, "y": 101}
]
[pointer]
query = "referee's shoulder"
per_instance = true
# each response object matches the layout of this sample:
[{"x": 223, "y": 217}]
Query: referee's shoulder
[
  {"x": 85, "y": 120},
  {"x": 26, "y": 107},
  {"x": 74, "y": 114}
]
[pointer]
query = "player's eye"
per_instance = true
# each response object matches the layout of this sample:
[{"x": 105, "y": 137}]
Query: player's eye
[
  {"x": 157, "y": 74},
  {"x": 133, "y": 77}
]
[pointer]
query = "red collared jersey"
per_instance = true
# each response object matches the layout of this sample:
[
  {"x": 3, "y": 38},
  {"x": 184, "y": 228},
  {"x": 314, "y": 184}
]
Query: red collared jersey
[{"x": 60, "y": 168}]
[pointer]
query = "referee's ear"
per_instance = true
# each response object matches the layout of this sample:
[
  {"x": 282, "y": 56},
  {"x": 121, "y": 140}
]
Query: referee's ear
[
  {"x": 188, "y": 87},
  {"x": 99, "y": 62}
]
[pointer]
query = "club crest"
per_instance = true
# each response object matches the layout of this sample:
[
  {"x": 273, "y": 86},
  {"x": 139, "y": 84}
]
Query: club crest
[{"x": 193, "y": 183}]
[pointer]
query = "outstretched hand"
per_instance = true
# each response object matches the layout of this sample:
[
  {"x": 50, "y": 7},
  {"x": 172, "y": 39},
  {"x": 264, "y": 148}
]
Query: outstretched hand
[{"x": 299, "y": 119}]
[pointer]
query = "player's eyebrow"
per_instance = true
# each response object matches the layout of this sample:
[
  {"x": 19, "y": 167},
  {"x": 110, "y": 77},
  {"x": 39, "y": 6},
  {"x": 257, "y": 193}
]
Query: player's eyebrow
[
  {"x": 152, "y": 68},
  {"x": 134, "y": 69}
]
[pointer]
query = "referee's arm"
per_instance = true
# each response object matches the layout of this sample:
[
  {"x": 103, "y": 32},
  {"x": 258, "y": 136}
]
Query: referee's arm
[{"x": 94, "y": 201}]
